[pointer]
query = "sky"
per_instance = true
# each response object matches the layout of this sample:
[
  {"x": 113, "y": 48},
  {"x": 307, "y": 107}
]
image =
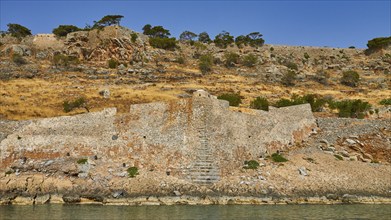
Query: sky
[{"x": 332, "y": 23}]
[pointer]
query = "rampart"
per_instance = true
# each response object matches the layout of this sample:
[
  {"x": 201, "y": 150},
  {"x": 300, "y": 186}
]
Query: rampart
[
  {"x": 178, "y": 137},
  {"x": 47, "y": 41}
]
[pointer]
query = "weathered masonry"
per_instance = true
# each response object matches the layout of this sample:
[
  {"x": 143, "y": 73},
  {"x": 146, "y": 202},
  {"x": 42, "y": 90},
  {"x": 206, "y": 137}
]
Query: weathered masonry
[{"x": 198, "y": 139}]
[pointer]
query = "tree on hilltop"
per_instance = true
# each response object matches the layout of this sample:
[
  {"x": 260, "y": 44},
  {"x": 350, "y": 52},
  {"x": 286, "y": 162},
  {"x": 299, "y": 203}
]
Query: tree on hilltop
[
  {"x": 108, "y": 20},
  {"x": 64, "y": 30},
  {"x": 187, "y": 36},
  {"x": 156, "y": 31},
  {"x": 255, "y": 39},
  {"x": 241, "y": 40},
  {"x": 223, "y": 39},
  {"x": 18, "y": 31},
  {"x": 204, "y": 38}
]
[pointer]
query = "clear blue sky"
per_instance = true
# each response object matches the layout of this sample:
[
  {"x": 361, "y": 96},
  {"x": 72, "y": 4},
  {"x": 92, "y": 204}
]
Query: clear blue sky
[{"x": 334, "y": 23}]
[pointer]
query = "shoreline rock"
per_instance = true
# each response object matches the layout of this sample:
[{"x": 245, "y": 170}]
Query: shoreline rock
[{"x": 196, "y": 200}]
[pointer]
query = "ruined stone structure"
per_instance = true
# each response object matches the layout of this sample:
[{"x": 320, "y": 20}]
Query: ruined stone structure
[
  {"x": 47, "y": 41},
  {"x": 198, "y": 139}
]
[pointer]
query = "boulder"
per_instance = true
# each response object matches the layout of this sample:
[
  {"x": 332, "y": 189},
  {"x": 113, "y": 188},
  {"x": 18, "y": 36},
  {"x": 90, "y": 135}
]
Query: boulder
[{"x": 22, "y": 50}]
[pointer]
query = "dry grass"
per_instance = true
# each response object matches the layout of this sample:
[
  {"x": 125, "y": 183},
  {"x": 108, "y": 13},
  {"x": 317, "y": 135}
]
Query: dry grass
[{"x": 43, "y": 97}]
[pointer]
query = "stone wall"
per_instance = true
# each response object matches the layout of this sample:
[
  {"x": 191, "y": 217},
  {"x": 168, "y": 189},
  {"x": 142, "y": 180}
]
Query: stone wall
[
  {"x": 47, "y": 41},
  {"x": 167, "y": 137}
]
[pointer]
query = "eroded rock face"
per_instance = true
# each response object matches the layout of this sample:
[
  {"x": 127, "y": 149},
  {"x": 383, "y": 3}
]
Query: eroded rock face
[
  {"x": 178, "y": 138},
  {"x": 101, "y": 45}
]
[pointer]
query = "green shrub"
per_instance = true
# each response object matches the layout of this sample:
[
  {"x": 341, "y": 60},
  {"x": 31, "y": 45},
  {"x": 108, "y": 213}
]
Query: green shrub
[
  {"x": 315, "y": 101},
  {"x": 250, "y": 60},
  {"x": 64, "y": 30},
  {"x": 271, "y": 49},
  {"x": 113, "y": 63},
  {"x": 199, "y": 46},
  {"x": 289, "y": 78},
  {"x": 292, "y": 66},
  {"x": 133, "y": 37},
  {"x": 385, "y": 101},
  {"x": 378, "y": 43},
  {"x": 82, "y": 161},
  {"x": 350, "y": 108},
  {"x": 350, "y": 78},
  {"x": 163, "y": 43},
  {"x": 18, "y": 59},
  {"x": 322, "y": 77},
  {"x": 260, "y": 103},
  {"x": 306, "y": 56},
  {"x": 278, "y": 158},
  {"x": 181, "y": 59},
  {"x": 234, "y": 99},
  {"x": 78, "y": 103},
  {"x": 231, "y": 58},
  {"x": 64, "y": 60},
  {"x": 252, "y": 164},
  {"x": 132, "y": 172},
  {"x": 205, "y": 63}
]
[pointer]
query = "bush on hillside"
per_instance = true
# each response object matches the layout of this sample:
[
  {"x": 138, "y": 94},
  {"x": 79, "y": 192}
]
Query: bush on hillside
[
  {"x": 234, "y": 99},
  {"x": 133, "y": 37},
  {"x": 251, "y": 164},
  {"x": 260, "y": 103},
  {"x": 69, "y": 106},
  {"x": 113, "y": 63},
  {"x": 322, "y": 77},
  {"x": 385, "y": 101},
  {"x": 250, "y": 60},
  {"x": 379, "y": 43},
  {"x": 292, "y": 66},
  {"x": 64, "y": 30},
  {"x": 163, "y": 43},
  {"x": 278, "y": 158},
  {"x": 289, "y": 78},
  {"x": 231, "y": 58},
  {"x": 65, "y": 60},
  {"x": 350, "y": 108},
  {"x": 350, "y": 78},
  {"x": 317, "y": 103},
  {"x": 205, "y": 63},
  {"x": 132, "y": 172},
  {"x": 18, "y": 59}
]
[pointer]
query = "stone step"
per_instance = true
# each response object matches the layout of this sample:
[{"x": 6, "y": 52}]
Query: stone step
[
  {"x": 197, "y": 175},
  {"x": 205, "y": 177},
  {"x": 205, "y": 181},
  {"x": 204, "y": 170},
  {"x": 201, "y": 163}
]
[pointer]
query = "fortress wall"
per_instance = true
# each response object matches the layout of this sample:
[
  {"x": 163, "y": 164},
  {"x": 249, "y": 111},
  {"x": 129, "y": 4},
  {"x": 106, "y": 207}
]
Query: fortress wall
[
  {"x": 46, "y": 41},
  {"x": 158, "y": 136}
]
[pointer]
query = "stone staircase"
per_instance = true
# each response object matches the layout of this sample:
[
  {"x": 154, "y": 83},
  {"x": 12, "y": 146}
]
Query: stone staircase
[{"x": 204, "y": 169}]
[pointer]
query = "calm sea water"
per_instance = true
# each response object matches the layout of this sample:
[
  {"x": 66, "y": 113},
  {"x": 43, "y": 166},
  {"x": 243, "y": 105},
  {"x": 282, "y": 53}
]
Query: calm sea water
[{"x": 197, "y": 212}]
